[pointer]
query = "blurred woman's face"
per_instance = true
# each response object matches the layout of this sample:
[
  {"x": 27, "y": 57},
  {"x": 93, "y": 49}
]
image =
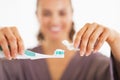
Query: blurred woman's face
[{"x": 55, "y": 18}]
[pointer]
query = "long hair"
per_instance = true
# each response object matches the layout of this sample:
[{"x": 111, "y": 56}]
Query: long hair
[{"x": 40, "y": 36}]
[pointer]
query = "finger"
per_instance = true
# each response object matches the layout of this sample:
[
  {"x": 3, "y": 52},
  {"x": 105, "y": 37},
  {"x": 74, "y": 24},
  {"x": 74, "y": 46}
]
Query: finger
[
  {"x": 19, "y": 40},
  {"x": 92, "y": 40},
  {"x": 79, "y": 35},
  {"x": 85, "y": 38},
  {"x": 101, "y": 40},
  {"x": 11, "y": 41},
  {"x": 4, "y": 46}
]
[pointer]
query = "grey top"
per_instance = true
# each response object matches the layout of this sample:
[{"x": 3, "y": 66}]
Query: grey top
[{"x": 94, "y": 67}]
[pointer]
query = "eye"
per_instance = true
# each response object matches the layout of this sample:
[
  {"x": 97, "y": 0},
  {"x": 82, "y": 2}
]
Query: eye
[
  {"x": 62, "y": 13},
  {"x": 46, "y": 13}
]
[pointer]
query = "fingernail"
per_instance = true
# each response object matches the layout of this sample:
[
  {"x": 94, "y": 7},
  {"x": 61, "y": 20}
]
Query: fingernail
[
  {"x": 94, "y": 51},
  {"x": 10, "y": 59},
  {"x": 76, "y": 45},
  {"x": 81, "y": 53},
  {"x": 22, "y": 52},
  {"x": 87, "y": 54},
  {"x": 14, "y": 57}
]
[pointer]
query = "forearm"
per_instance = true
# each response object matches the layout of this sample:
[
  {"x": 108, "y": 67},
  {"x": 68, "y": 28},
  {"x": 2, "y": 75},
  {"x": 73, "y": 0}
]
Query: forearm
[{"x": 115, "y": 47}]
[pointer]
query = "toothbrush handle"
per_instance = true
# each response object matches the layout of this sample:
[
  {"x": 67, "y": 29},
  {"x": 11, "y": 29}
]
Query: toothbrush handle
[{"x": 2, "y": 56}]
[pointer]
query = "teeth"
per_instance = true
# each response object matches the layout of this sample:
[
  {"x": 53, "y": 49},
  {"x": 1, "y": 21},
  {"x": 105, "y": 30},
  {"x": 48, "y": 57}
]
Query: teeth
[{"x": 55, "y": 29}]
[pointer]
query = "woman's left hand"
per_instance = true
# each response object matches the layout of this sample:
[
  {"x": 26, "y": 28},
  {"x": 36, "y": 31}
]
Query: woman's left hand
[{"x": 92, "y": 36}]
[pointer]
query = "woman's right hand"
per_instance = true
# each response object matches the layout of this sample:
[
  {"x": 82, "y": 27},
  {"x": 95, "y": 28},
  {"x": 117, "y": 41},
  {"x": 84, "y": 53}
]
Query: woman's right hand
[{"x": 11, "y": 42}]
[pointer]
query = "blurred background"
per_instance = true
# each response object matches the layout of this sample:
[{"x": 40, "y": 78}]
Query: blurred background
[{"x": 21, "y": 13}]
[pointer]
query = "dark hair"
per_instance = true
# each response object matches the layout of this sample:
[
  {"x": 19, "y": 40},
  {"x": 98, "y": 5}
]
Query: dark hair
[{"x": 40, "y": 36}]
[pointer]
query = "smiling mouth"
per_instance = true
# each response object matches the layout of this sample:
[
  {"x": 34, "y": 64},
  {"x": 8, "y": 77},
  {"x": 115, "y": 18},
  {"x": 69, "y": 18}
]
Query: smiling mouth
[{"x": 55, "y": 29}]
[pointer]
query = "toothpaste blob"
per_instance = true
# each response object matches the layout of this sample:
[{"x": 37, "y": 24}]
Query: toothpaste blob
[{"x": 70, "y": 46}]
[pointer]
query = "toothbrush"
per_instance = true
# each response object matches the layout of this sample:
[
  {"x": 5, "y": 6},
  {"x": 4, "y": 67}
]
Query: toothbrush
[
  {"x": 58, "y": 53},
  {"x": 70, "y": 46}
]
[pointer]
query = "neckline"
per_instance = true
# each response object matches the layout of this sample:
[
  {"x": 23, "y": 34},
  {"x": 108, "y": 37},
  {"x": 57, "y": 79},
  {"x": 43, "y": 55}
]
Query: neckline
[{"x": 68, "y": 67}]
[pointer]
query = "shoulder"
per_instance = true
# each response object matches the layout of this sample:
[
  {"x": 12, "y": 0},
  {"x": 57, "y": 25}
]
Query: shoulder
[
  {"x": 96, "y": 65},
  {"x": 100, "y": 58},
  {"x": 95, "y": 60},
  {"x": 101, "y": 65}
]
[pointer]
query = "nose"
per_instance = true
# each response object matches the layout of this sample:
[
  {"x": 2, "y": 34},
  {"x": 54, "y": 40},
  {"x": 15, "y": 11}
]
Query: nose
[{"x": 55, "y": 20}]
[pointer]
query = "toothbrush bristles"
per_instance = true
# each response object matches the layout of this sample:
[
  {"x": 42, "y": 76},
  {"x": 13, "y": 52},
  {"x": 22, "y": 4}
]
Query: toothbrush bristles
[{"x": 59, "y": 52}]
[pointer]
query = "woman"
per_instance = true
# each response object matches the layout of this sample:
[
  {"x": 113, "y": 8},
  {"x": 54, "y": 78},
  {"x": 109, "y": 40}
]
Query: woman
[{"x": 56, "y": 21}]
